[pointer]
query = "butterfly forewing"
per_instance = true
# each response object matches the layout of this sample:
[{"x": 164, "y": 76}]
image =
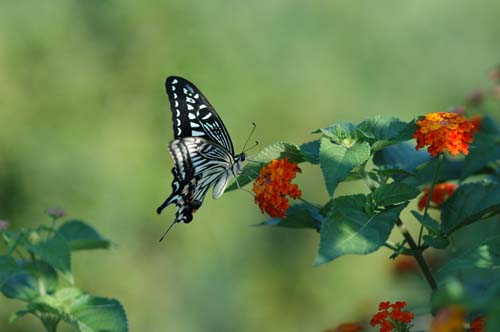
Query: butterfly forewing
[{"x": 192, "y": 114}]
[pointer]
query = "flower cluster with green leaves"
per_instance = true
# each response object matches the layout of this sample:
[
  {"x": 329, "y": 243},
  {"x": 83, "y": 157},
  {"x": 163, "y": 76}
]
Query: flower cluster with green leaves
[
  {"x": 453, "y": 185},
  {"x": 36, "y": 269}
]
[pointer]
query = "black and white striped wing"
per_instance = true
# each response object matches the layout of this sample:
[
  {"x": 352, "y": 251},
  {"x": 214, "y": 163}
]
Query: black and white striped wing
[
  {"x": 199, "y": 164},
  {"x": 193, "y": 116}
]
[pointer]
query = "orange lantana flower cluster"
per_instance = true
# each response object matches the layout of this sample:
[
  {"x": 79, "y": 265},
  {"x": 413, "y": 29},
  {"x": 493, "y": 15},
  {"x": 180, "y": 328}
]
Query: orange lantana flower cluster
[
  {"x": 390, "y": 316},
  {"x": 444, "y": 131},
  {"x": 441, "y": 192},
  {"x": 273, "y": 185}
]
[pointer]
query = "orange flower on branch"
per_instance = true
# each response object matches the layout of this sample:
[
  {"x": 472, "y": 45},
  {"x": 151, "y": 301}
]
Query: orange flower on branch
[
  {"x": 477, "y": 324},
  {"x": 347, "y": 327},
  {"x": 449, "y": 319},
  {"x": 440, "y": 194},
  {"x": 272, "y": 187},
  {"x": 444, "y": 131},
  {"x": 476, "y": 121},
  {"x": 390, "y": 316}
]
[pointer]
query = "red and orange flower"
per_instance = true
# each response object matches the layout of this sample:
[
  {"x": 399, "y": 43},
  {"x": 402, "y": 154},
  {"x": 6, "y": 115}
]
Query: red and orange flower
[
  {"x": 272, "y": 187},
  {"x": 449, "y": 319},
  {"x": 444, "y": 131},
  {"x": 477, "y": 324},
  {"x": 390, "y": 316},
  {"x": 441, "y": 192}
]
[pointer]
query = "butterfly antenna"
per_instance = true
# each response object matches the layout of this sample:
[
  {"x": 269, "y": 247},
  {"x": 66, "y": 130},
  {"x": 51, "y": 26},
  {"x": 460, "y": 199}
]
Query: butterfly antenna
[
  {"x": 250, "y": 135},
  {"x": 168, "y": 229},
  {"x": 256, "y": 143}
]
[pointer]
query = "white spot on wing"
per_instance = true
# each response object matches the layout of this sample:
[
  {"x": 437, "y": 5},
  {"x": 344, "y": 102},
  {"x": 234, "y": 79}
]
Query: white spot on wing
[
  {"x": 206, "y": 116},
  {"x": 197, "y": 133},
  {"x": 176, "y": 103},
  {"x": 191, "y": 116},
  {"x": 178, "y": 131},
  {"x": 196, "y": 96},
  {"x": 190, "y": 107},
  {"x": 175, "y": 95},
  {"x": 190, "y": 100},
  {"x": 194, "y": 125},
  {"x": 202, "y": 107},
  {"x": 174, "y": 81}
]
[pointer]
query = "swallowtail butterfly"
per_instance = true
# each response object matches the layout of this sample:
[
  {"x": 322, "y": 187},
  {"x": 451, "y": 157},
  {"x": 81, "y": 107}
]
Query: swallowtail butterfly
[{"x": 202, "y": 150}]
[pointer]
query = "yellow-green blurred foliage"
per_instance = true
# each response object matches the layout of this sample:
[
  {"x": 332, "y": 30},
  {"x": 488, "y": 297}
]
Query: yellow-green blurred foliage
[{"x": 85, "y": 123}]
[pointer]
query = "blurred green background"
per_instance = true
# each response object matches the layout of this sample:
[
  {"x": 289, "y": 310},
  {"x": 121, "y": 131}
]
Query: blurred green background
[{"x": 85, "y": 123}]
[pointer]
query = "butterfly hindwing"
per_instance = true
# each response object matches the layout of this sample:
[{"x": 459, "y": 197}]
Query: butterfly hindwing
[{"x": 192, "y": 114}]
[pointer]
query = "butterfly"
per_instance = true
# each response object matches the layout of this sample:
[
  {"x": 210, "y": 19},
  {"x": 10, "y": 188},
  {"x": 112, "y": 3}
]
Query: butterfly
[{"x": 202, "y": 151}]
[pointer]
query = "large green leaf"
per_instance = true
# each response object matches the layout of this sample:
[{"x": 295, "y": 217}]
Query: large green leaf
[
  {"x": 81, "y": 236},
  {"x": 382, "y": 131},
  {"x": 484, "y": 149},
  {"x": 349, "y": 229},
  {"x": 469, "y": 203},
  {"x": 310, "y": 151},
  {"x": 393, "y": 193},
  {"x": 55, "y": 252},
  {"x": 279, "y": 150},
  {"x": 26, "y": 287},
  {"x": 337, "y": 161},
  {"x": 97, "y": 314},
  {"x": 486, "y": 255},
  {"x": 401, "y": 156},
  {"x": 8, "y": 269},
  {"x": 298, "y": 216}
]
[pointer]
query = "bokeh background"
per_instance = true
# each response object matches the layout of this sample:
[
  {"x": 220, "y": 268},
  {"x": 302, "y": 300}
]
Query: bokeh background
[{"x": 85, "y": 123}]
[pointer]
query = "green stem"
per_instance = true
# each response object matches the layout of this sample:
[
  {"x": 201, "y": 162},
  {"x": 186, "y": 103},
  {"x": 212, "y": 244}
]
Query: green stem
[
  {"x": 417, "y": 253},
  {"x": 431, "y": 191},
  {"x": 50, "y": 322},
  {"x": 41, "y": 285},
  {"x": 390, "y": 245}
]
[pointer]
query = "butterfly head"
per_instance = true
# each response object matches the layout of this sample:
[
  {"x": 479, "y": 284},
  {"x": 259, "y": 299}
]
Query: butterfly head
[{"x": 242, "y": 157}]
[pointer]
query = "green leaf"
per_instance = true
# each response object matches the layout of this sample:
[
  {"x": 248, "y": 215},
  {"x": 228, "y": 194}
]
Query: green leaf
[
  {"x": 81, "y": 236},
  {"x": 97, "y": 314},
  {"x": 279, "y": 150},
  {"x": 469, "y": 203},
  {"x": 381, "y": 131},
  {"x": 393, "y": 193},
  {"x": 484, "y": 149},
  {"x": 342, "y": 133},
  {"x": 310, "y": 151},
  {"x": 349, "y": 229},
  {"x": 18, "y": 314},
  {"x": 56, "y": 253},
  {"x": 8, "y": 269},
  {"x": 401, "y": 156},
  {"x": 337, "y": 161},
  {"x": 298, "y": 216},
  {"x": 25, "y": 286},
  {"x": 436, "y": 241},
  {"x": 429, "y": 223},
  {"x": 486, "y": 255}
]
